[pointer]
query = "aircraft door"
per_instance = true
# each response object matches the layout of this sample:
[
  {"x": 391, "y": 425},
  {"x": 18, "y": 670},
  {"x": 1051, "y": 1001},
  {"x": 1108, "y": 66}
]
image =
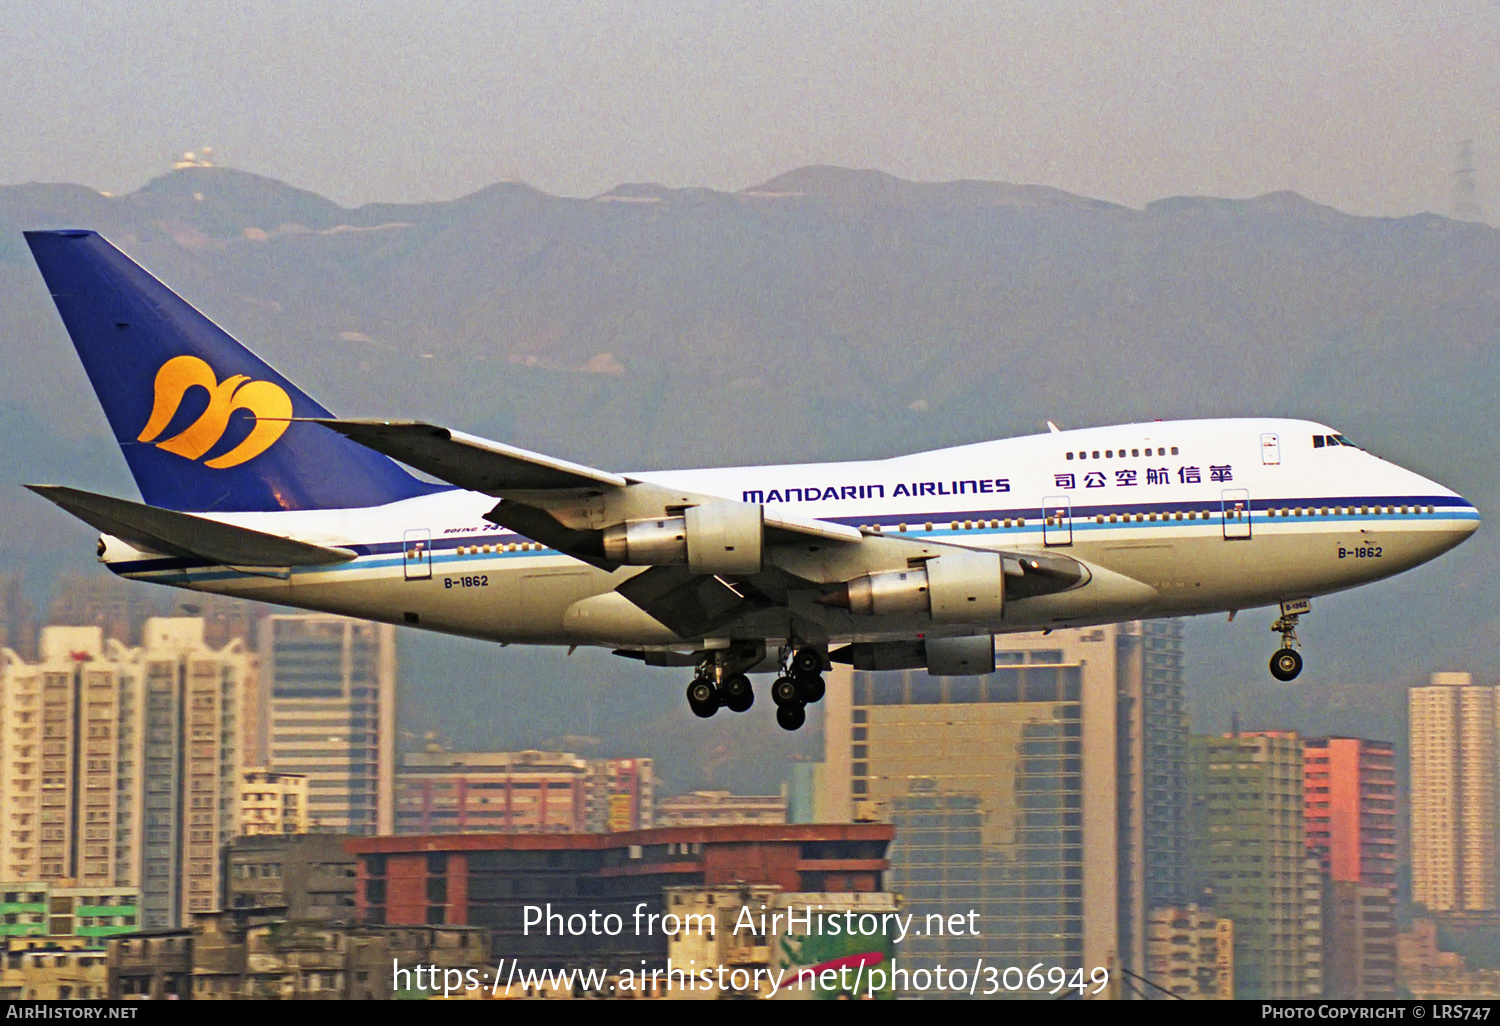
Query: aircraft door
[
  {"x": 1270, "y": 449},
  {"x": 1057, "y": 520},
  {"x": 1236, "y": 502},
  {"x": 416, "y": 560}
]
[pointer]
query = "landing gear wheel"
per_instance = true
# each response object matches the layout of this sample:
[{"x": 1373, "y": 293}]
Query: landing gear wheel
[
  {"x": 702, "y": 698},
  {"x": 737, "y": 692},
  {"x": 807, "y": 662},
  {"x": 809, "y": 687},
  {"x": 1286, "y": 664},
  {"x": 790, "y": 717},
  {"x": 784, "y": 692}
]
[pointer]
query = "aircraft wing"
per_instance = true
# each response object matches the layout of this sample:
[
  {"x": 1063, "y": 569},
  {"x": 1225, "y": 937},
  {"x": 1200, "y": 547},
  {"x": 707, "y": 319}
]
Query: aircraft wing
[
  {"x": 170, "y": 533},
  {"x": 544, "y": 484},
  {"x": 578, "y": 510}
]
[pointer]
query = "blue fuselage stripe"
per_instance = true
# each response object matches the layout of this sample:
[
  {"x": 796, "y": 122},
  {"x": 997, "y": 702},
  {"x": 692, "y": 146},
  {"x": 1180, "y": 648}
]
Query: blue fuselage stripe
[{"x": 1026, "y": 521}]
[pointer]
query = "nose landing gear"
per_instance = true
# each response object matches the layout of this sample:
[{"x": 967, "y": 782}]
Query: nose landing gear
[{"x": 1287, "y": 662}]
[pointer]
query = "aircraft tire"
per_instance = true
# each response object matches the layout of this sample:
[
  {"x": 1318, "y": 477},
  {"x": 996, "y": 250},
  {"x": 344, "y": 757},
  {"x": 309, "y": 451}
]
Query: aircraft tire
[
  {"x": 738, "y": 694},
  {"x": 702, "y": 698},
  {"x": 784, "y": 692},
  {"x": 1286, "y": 664},
  {"x": 810, "y": 687},
  {"x": 791, "y": 717},
  {"x": 807, "y": 661}
]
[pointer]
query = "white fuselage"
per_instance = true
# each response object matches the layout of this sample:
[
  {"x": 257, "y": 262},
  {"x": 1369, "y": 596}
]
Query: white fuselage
[{"x": 1221, "y": 515}]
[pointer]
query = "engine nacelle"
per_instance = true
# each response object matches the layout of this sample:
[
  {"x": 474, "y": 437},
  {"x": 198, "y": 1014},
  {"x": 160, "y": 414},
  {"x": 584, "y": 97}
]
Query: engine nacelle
[
  {"x": 956, "y": 587},
  {"x": 724, "y": 538},
  {"x": 940, "y": 657},
  {"x": 720, "y": 538}
]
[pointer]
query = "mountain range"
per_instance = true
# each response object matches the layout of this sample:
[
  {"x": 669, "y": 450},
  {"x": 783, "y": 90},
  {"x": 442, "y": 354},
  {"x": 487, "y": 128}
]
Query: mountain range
[{"x": 825, "y": 314}]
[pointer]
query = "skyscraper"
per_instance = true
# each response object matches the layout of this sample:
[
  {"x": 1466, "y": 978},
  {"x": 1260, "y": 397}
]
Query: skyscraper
[
  {"x": 1036, "y": 796},
  {"x": 188, "y": 716},
  {"x": 332, "y": 716},
  {"x": 1249, "y": 856},
  {"x": 1453, "y": 794},
  {"x": 1350, "y": 815},
  {"x": 119, "y": 766},
  {"x": 60, "y": 761}
]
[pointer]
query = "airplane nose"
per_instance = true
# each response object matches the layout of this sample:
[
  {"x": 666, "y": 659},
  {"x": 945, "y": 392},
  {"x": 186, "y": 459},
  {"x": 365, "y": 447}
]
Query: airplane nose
[{"x": 1464, "y": 519}]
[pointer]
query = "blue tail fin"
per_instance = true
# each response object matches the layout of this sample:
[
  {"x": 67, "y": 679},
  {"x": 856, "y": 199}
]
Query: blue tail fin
[{"x": 204, "y": 422}]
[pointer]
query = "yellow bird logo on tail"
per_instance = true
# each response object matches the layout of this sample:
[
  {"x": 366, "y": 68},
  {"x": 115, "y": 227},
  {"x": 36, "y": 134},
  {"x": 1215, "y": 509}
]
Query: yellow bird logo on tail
[{"x": 269, "y": 404}]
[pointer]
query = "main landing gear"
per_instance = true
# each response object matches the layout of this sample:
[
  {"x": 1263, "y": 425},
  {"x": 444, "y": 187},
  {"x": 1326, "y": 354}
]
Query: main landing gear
[
  {"x": 718, "y": 683},
  {"x": 800, "y": 685},
  {"x": 1287, "y": 662},
  {"x": 714, "y": 686}
]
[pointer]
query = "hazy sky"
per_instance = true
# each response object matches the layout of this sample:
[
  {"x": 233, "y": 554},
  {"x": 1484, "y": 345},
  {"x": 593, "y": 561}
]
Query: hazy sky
[{"x": 1359, "y": 105}]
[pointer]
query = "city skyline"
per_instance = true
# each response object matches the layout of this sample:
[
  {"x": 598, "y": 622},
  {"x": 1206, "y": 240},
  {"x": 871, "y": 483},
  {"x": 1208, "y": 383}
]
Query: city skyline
[{"x": 1170, "y": 903}]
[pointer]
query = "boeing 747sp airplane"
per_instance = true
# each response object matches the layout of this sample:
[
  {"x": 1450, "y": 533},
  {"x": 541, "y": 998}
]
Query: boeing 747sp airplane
[{"x": 252, "y": 489}]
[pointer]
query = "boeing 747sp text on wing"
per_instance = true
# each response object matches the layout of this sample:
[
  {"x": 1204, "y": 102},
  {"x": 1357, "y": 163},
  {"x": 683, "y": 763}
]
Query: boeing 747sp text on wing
[{"x": 253, "y": 489}]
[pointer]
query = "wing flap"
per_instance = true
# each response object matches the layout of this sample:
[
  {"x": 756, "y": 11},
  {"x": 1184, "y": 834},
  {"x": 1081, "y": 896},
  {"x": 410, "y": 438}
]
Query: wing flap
[
  {"x": 182, "y": 534},
  {"x": 687, "y": 604},
  {"x": 807, "y": 527}
]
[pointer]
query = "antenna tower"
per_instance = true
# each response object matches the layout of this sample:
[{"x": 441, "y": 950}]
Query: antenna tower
[{"x": 1465, "y": 205}]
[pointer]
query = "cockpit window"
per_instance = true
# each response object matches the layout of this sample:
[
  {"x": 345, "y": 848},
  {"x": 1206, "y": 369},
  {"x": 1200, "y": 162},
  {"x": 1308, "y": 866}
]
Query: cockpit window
[{"x": 1319, "y": 441}]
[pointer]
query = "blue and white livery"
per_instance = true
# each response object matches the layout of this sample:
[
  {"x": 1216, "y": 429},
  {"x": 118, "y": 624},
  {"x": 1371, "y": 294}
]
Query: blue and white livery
[{"x": 252, "y": 489}]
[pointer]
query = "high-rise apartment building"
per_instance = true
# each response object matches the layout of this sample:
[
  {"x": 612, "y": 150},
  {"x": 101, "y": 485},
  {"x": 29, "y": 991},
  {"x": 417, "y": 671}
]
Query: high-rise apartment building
[
  {"x": 61, "y": 759},
  {"x": 1349, "y": 810},
  {"x": 1190, "y": 952},
  {"x": 331, "y": 683},
  {"x": 119, "y": 765},
  {"x": 1038, "y": 796},
  {"x": 1453, "y": 794},
  {"x": 190, "y": 733},
  {"x": 273, "y": 803},
  {"x": 1249, "y": 855}
]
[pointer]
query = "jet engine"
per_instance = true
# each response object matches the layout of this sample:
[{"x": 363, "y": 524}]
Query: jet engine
[
  {"x": 719, "y": 538},
  {"x": 955, "y": 587}
]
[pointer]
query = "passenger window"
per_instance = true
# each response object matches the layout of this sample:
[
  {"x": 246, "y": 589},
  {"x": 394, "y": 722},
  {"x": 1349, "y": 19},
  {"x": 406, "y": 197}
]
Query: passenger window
[
  {"x": 1135, "y": 452},
  {"x": 1174, "y": 450},
  {"x": 1109, "y": 454},
  {"x": 1096, "y": 454},
  {"x": 1070, "y": 455}
]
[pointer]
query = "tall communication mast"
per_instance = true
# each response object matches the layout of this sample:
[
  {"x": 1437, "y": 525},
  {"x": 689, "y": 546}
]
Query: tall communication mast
[{"x": 1465, "y": 204}]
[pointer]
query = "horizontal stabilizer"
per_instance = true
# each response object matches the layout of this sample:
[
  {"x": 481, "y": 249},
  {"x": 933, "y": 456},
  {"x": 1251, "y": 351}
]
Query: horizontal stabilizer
[
  {"x": 153, "y": 529},
  {"x": 468, "y": 461}
]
